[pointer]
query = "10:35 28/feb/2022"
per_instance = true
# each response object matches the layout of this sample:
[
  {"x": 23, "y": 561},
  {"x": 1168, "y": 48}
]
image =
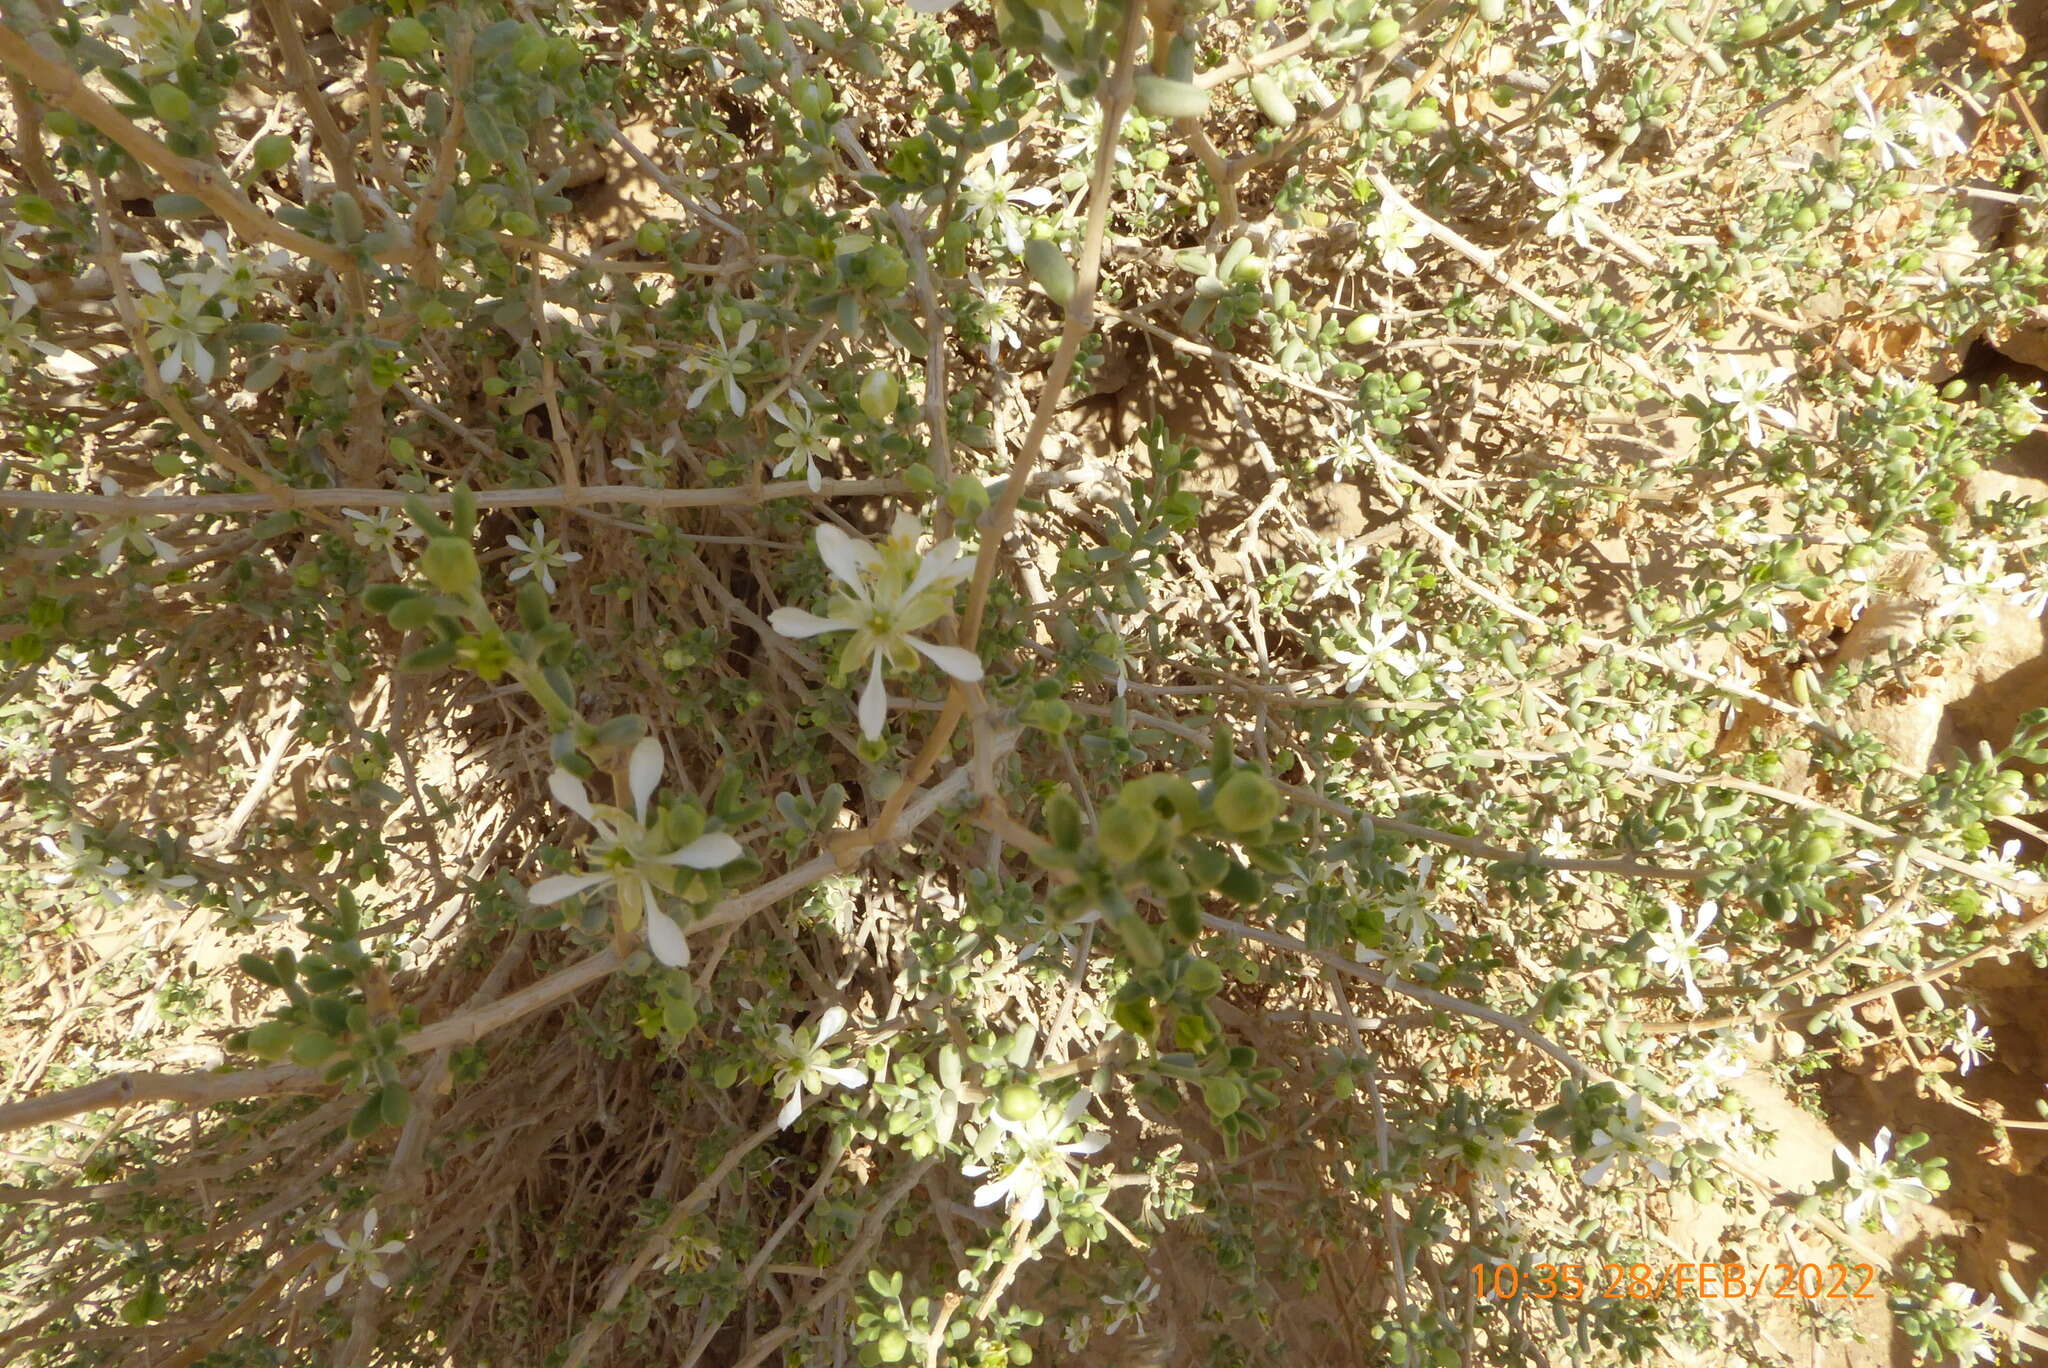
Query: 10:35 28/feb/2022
[{"x": 1642, "y": 1281}]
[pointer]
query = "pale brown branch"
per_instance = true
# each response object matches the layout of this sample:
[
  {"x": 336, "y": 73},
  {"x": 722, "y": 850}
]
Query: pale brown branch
[{"x": 62, "y": 87}]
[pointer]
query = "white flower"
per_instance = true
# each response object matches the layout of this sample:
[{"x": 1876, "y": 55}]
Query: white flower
[
  {"x": 382, "y": 531},
  {"x": 689, "y": 1253},
  {"x": 153, "y": 878},
  {"x": 1491, "y": 1158},
  {"x": 1626, "y": 1140},
  {"x": 1967, "y": 1332},
  {"x": 722, "y": 363},
  {"x": 1703, "y": 1075},
  {"x": 1581, "y": 35},
  {"x": 136, "y": 531},
  {"x": 1377, "y": 642},
  {"x": 1335, "y": 575},
  {"x": 1675, "y": 950},
  {"x": 1872, "y": 1187},
  {"x": 1035, "y": 1156},
  {"x": 1748, "y": 395},
  {"x": 1877, "y": 131},
  {"x": 1935, "y": 124},
  {"x": 176, "y": 321},
  {"x": 888, "y": 593},
  {"x": 78, "y": 863},
  {"x": 1130, "y": 1307},
  {"x": 803, "y": 444},
  {"x": 1392, "y": 232},
  {"x": 991, "y": 199},
  {"x": 1979, "y": 578},
  {"x": 805, "y": 1065},
  {"x": 996, "y": 310},
  {"x": 1570, "y": 201},
  {"x": 2005, "y": 866},
  {"x": 626, "y": 854},
  {"x": 358, "y": 1254},
  {"x": 1412, "y": 909},
  {"x": 539, "y": 557},
  {"x": 1971, "y": 1042}
]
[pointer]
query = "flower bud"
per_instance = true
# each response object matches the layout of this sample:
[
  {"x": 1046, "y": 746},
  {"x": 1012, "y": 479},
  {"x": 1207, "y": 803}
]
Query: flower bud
[{"x": 450, "y": 566}]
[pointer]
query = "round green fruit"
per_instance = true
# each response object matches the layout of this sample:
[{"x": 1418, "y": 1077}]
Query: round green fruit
[
  {"x": 1246, "y": 802},
  {"x": 1018, "y": 1102}
]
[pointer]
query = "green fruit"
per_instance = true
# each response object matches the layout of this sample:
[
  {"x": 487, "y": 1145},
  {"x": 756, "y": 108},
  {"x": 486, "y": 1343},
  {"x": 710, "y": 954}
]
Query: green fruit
[
  {"x": 1125, "y": 830},
  {"x": 519, "y": 223},
  {"x": 312, "y": 1047},
  {"x": 1049, "y": 266},
  {"x": 170, "y": 104},
  {"x": 879, "y": 392},
  {"x": 408, "y": 37},
  {"x": 1272, "y": 101},
  {"x": 891, "y": 1346},
  {"x": 1752, "y": 27},
  {"x": 1360, "y": 330},
  {"x": 272, "y": 1039},
  {"x": 1201, "y": 978},
  {"x": 884, "y": 268},
  {"x": 1425, "y": 119},
  {"x": 272, "y": 151},
  {"x": 1223, "y": 1096},
  {"x": 1246, "y": 802},
  {"x": 1166, "y": 99},
  {"x": 1806, "y": 220},
  {"x": 651, "y": 237},
  {"x": 1384, "y": 33},
  {"x": 1018, "y": 1102},
  {"x": 1264, "y": 10}
]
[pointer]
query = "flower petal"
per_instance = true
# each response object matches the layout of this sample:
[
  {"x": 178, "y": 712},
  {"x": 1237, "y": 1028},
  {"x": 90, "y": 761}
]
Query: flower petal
[
  {"x": 706, "y": 852},
  {"x": 666, "y": 940},
  {"x": 874, "y": 702},
  {"x": 562, "y": 886},
  {"x": 643, "y": 773},
  {"x": 790, "y": 1110},
  {"x": 841, "y": 555},
  {"x": 570, "y": 793},
  {"x": 795, "y": 622},
  {"x": 830, "y": 1022},
  {"x": 956, "y": 661}
]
